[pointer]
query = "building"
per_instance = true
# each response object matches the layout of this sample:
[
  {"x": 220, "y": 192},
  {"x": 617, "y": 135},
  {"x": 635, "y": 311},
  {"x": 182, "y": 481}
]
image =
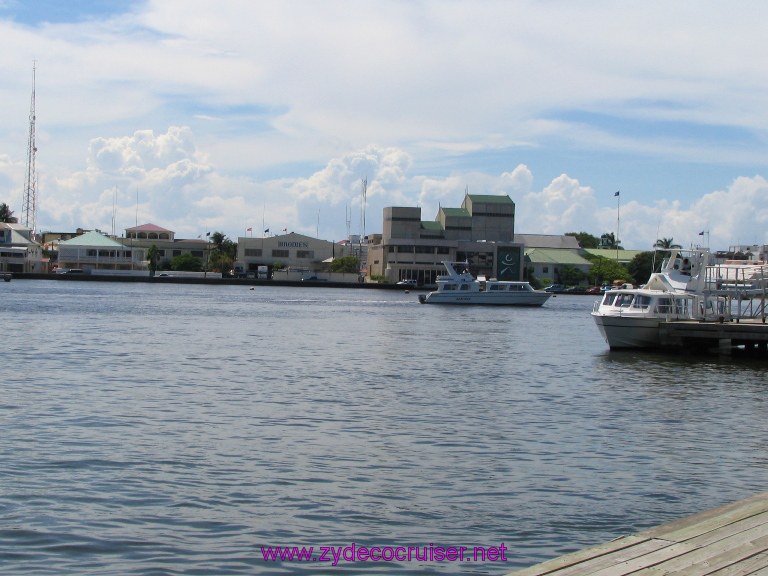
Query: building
[
  {"x": 480, "y": 232},
  {"x": 18, "y": 251},
  {"x": 141, "y": 238},
  {"x": 97, "y": 251},
  {"x": 288, "y": 251}
]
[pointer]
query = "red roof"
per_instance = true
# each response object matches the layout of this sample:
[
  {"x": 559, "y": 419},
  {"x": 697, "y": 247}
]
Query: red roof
[{"x": 147, "y": 228}]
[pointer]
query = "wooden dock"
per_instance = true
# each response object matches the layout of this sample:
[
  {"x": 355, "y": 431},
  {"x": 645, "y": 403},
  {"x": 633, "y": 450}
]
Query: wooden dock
[
  {"x": 728, "y": 541},
  {"x": 748, "y": 334}
]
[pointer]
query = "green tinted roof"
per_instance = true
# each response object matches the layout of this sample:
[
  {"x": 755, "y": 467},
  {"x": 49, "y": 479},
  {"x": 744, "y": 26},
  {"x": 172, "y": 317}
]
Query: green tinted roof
[
  {"x": 92, "y": 238},
  {"x": 490, "y": 198}
]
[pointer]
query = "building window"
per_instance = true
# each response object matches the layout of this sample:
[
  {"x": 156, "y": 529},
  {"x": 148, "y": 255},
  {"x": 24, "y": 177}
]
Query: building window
[
  {"x": 177, "y": 253},
  {"x": 407, "y": 249},
  {"x": 92, "y": 253},
  {"x": 280, "y": 253},
  {"x": 197, "y": 253},
  {"x": 443, "y": 250},
  {"x": 305, "y": 254},
  {"x": 545, "y": 270},
  {"x": 253, "y": 252},
  {"x": 425, "y": 249}
]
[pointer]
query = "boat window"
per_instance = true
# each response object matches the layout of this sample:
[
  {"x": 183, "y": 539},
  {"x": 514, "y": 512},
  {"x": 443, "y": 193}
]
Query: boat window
[
  {"x": 664, "y": 306},
  {"x": 465, "y": 287},
  {"x": 624, "y": 300},
  {"x": 449, "y": 287},
  {"x": 642, "y": 301},
  {"x": 609, "y": 298},
  {"x": 496, "y": 287}
]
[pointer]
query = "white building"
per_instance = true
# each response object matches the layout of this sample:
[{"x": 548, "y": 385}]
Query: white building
[
  {"x": 18, "y": 251},
  {"x": 288, "y": 251},
  {"x": 96, "y": 251}
]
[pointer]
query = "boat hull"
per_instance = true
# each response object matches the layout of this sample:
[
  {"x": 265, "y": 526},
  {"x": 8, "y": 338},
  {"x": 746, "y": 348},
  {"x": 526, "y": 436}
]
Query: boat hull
[
  {"x": 487, "y": 299},
  {"x": 622, "y": 332}
]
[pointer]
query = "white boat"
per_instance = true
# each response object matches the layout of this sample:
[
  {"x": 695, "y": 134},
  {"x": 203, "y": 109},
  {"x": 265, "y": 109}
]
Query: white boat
[
  {"x": 462, "y": 288},
  {"x": 688, "y": 287}
]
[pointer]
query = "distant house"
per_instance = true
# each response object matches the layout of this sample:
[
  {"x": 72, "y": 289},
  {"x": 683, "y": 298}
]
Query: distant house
[
  {"x": 141, "y": 238},
  {"x": 547, "y": 263},
  {"x": 18, "y": 251},
  {"x": 96, "y": 251}
]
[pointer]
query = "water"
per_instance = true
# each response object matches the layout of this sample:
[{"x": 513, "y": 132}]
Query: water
[{"x": 163, "y": 429}]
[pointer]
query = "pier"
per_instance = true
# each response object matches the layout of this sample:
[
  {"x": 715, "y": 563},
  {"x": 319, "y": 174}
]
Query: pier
[
  {"x": 731, "y": 540},
  {"x": 749, "y": 335}
]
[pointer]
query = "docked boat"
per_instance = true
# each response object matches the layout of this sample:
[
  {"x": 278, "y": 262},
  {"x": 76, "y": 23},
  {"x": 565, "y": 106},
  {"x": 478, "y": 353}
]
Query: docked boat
[
  {"x": 689, "y": 287},
  {"x": 456, "y": 287}
]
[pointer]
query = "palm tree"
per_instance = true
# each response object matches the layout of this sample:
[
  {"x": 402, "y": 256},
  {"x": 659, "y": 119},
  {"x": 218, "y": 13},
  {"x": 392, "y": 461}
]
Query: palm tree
[
  {"x": 153, "y": 256},
  {"x": 666, "y": 244}
]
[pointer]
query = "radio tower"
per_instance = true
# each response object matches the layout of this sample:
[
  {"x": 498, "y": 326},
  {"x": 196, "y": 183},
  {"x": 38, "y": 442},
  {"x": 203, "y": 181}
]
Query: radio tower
[{"x": 29, "y": 209}]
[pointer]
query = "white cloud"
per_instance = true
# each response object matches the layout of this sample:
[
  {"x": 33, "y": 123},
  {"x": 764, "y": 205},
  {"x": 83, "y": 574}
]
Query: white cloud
[{"x": 231, "y": 114}]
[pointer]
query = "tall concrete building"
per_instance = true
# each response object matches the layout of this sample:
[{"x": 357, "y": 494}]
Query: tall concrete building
[{"x": 480, "y": 232}]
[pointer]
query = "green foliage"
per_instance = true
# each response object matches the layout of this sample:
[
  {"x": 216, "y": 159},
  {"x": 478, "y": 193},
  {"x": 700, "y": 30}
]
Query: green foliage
[
  {"x": 666, "y": 243},
  {"x": 187, "y": 263},
  {"x": 222, "y": 253},
  {"x": 6, "y": 214},
  {"x": 585, "y": 239},
  {"x": 641, "y": 266},
  {"x": 153, "y": 256},
  {"x": 570, "y": 275},
  {"x": 608, "y": 240},
  {"x": 607, "y": 270},
  {"x": 345, "y": 264}
]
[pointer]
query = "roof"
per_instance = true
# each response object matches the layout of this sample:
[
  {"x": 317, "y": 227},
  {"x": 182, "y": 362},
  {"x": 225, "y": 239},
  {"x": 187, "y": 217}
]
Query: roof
[
  {"x": 556, "y": 256},
  {"x": 490, "y": 198},
  {"x": 92, "y": 238},
  {"x": 430, "y": 225},
  {"x": 547, "y": 241},
  {"x": 611, "y": 253},
  {"x": 462, "y": 212},
  {"x": 149, "y": 227}
]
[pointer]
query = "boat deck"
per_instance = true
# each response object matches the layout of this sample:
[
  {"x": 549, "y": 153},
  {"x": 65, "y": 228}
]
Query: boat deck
[{"x": 728, "y": 541}]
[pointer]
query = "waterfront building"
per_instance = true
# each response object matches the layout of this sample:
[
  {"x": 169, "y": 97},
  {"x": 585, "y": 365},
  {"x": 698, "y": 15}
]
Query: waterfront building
[
  {"x": 141, "y": 238},
  {"x": 18, "y": 251},
  {"x": 290, "y": 251},
  {"x": 97, "y": 251},
  {"x": 480, "y": 232}
]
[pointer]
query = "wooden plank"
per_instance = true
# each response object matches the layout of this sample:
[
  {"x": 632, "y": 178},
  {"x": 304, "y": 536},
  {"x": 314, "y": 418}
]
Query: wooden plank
[
  {"x": 689, "y": 527},
  {"x": 730, "y": 540},
  {"x": 617, "y": 558},
  {"x": 746, "y": 567},
  {"x": 580, "y": 556},
  {"x": 710, "y": 558}
]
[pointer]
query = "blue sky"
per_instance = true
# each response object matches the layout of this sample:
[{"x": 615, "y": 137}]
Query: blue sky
[{"x": 221, "y": 116}]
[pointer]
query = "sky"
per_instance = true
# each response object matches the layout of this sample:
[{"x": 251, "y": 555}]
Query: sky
[{"x": 200, "y": 116}]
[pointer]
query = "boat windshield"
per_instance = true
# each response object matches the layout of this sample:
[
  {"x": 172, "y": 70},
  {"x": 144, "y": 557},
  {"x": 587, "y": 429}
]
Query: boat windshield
[{"x": 624, "y": 300}]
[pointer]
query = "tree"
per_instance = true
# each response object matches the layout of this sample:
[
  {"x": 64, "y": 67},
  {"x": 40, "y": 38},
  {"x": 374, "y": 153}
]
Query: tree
[
  {"x": 666, "y": 244},
  {"x": 608, "y": 240},
  {"x": 641, "y": 266},
  {"x": 607, "y": 270},
  {"x": 570, "y": 275},
  {"x": 585, "y": 239},
  {"x": 6, "y": 214},
  {"x": 186, "y": 262},
  {"x": 222, "y": 253},
  {"x": 346, "y": 264},
  {"x": 153, "y": 257}
]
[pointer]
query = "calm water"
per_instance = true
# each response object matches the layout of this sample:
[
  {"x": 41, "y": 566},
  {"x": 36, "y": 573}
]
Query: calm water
[{"x": 159, "y": 429}]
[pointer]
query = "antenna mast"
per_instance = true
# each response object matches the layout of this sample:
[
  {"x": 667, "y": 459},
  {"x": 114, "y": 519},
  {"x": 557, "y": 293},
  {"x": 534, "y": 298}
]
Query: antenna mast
[{"x": 29, "y": 209}]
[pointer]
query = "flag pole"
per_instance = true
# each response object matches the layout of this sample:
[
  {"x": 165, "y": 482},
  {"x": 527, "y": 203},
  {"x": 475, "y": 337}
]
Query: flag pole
[{"x": 618, "y": 221}]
